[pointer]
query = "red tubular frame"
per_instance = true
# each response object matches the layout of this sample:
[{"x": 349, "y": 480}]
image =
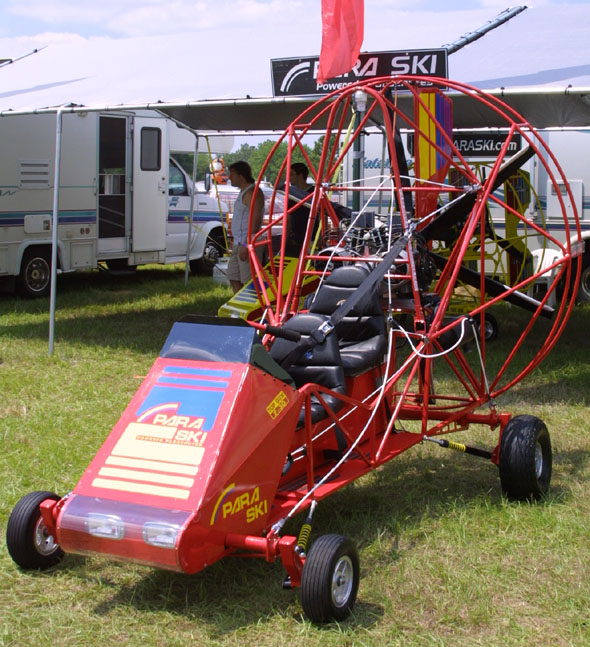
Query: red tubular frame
[
  {"x": 438, "y": 414},
  {"x": 402, "y": 390}
]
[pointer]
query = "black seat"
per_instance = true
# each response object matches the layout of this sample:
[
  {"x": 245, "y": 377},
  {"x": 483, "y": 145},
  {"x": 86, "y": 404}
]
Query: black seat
[
  {"x": 362, "y": 333},
  {"x": 322, "y": 365}
]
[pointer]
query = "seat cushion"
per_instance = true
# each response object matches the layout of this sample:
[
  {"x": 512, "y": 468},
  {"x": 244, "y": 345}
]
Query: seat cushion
[
  {"x": 364, "y": 355},
  {"x": 321, "y": 365},
  {"x": 362, "y": 333}
]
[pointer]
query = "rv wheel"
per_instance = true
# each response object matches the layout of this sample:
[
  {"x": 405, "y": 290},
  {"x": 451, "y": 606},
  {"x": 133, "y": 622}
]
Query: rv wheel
[{"x": 35, "y": 273}]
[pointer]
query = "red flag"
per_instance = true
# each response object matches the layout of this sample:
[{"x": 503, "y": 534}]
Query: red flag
[{"x": 342, "y": 36}]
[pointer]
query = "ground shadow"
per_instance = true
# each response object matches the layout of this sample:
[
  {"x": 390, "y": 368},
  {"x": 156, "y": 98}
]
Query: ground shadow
[
  {"x": 138, "y": 328},
  {"x": 143, "y": 331},
  {"x": 393, "y": 500}
]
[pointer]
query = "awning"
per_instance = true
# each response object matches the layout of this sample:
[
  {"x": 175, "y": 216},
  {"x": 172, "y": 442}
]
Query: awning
[{"x": 541, "y": 107}]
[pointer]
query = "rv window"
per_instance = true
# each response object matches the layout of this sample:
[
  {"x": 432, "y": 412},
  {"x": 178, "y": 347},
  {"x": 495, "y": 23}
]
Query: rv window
[
  {"x": 562, "y": 189},
  {"x": 151, "y": 149},
  {"x": 176, "y": 181}
]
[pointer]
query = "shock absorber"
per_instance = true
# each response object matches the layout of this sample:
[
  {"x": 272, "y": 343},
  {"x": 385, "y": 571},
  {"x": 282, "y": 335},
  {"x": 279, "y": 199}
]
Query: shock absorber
[
  {"x": 460, "y": 447},
  {"x": 302, "y": 539},
  {"x": 305, "y": 532}
]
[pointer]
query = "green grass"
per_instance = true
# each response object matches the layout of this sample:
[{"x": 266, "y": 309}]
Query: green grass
[{"x": 445, "y": 559}]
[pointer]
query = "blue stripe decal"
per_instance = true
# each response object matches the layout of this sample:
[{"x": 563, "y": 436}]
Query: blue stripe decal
[
  {"x": 201, "y": 372},
  {"x": 584, "y": 226},
  {"x": 246, "y": 295},
  {"x": 74, "y": 217},
  {"x": 198, "y": 216},
  {"x": 17, "y": 219},
  {"x": 196, "y": 402},
  {"x": 192, "y": 382},
  {"x": 8, "y": 220}
]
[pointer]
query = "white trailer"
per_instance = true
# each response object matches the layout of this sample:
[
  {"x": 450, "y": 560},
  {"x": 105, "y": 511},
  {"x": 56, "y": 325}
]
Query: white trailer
[{"x": 123, "y": 199}]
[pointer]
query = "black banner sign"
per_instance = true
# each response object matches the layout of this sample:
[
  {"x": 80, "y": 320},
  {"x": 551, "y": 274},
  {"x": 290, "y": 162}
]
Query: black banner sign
[
  {"x": 484, "y": 144},
  {"x": 298, "y": 76}
]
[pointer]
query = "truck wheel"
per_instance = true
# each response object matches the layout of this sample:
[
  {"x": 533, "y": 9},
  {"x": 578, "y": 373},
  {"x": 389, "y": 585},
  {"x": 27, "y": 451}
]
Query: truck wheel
[
  {"x": 213, "y": 251},
  {"x": 35, "y": 273},
  {"x": 27, "y": 539},
  {"x": 330, "y": 579},
  {"x": 584, "y": 286},
  {"x": 525, "y": 458}
]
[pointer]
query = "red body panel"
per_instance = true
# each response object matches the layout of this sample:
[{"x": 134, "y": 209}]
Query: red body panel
[{"x": 200, "y": 446}]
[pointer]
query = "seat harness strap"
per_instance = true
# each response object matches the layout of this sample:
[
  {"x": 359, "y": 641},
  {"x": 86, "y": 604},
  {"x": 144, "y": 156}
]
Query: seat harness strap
[{"x": 318, "y": 335}]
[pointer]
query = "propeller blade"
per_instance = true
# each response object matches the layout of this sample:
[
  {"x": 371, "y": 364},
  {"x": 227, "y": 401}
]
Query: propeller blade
[{"x": 448, "y": 223}]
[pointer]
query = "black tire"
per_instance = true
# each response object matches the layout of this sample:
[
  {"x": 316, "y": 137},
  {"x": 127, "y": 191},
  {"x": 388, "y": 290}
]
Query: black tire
[
  {"x": 34, "y": 279},
  {"x": 525, "y": 458},
  {"x": 490, "y": 327},
  {"x": 321, "y": 266},
  {"x": 330, "y": 579},
  {"x": 214, "y": 248},
  {"x": 584, "y": 285},
  {"x": 27, "y": 539}
]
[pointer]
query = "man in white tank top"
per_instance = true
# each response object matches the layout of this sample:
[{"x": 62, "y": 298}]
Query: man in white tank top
[{"x": 238, "y": 268}]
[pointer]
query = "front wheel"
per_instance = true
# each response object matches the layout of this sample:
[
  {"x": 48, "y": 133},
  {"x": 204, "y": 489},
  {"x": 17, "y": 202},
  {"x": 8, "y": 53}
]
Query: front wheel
[
  {"x": 525, "y": 458},
  {"x": 330, "y": 579},
  {"x": 211, "y": 254},
  {"x": 29, "y": 543}
]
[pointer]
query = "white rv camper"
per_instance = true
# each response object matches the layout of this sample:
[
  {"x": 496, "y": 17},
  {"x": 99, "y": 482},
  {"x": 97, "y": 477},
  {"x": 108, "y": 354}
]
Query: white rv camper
[
  {"x": 123, "y": 199},
  {"x": 570, "y": 147}
]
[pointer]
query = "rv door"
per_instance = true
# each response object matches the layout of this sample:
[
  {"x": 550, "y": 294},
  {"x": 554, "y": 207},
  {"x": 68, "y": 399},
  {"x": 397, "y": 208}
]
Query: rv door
[{"x": 150, "y": 188}]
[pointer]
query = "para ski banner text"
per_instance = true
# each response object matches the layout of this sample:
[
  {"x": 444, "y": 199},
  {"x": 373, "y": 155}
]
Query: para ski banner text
[{"x": 298, "y": 76}]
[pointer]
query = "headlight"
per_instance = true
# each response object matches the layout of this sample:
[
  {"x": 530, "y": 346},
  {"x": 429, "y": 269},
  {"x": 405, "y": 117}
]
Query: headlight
[
  {"x": 160, "y": 534},
  {"x": 105, "y": 525}
]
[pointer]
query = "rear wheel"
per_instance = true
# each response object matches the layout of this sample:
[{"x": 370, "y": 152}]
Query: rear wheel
[
  {"x": 584, "y": 286},
  {"x": 490, "y": 327},
  {"x": 525, "y": 458},
  {"x": 35, "y": 273},
  {"x": 28, "y": 541},
  {"x": 330, "y": 579}
]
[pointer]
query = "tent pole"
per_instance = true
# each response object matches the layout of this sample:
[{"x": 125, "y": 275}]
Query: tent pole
[
  {"x": 192, "y": 210},
  {"x": 54, "y": 226}
]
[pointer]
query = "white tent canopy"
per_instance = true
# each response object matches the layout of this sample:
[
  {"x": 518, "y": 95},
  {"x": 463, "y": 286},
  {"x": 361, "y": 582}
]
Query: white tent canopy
[{"x": 539, "y": 62}]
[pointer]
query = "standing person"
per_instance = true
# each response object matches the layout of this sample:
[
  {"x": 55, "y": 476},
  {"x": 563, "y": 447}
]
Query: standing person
[
  {"x": 297, "y": 221},
  {"x": 238, "y": 269}
]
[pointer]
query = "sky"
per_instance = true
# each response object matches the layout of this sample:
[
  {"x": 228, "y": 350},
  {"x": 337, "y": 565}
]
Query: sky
[
  {"x": 68, "y": 19},
  {"x": 137, "y": 51}
]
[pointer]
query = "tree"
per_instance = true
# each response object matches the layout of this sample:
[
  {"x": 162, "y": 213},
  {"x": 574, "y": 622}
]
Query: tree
[
  {"x": 186, "y": 161},
  {"x": 255, "y": 156},
  {"x": 272, "y": 172},
  {"x": 316, "y": 151},
  {"x": 245, "y": 153}
]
